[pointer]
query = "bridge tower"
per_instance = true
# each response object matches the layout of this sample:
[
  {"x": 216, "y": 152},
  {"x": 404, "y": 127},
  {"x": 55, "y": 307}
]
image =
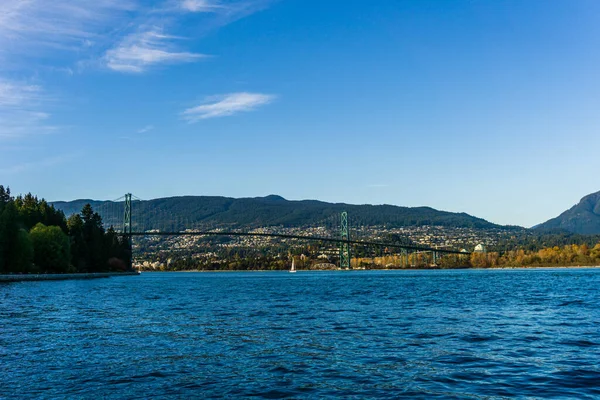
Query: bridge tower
[
  {"x": 345, "y": 256},
  {"x": 127, "y": 228}
]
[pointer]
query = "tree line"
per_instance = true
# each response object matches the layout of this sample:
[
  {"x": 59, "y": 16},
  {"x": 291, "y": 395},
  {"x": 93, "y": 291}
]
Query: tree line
[
  {"x": 565, "y": 256},
  {"x": 308, "y": 257},
  {"x": 36, "y": 238},
  {"x": 556, "y": 256}
]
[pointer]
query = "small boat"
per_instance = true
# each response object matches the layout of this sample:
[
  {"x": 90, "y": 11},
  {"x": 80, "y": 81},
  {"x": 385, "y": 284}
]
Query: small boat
[{"x": 293, "y": 269}]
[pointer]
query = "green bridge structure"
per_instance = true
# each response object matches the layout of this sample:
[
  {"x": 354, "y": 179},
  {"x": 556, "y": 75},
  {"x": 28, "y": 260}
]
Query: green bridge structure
[{"x": 343, "y": 240}]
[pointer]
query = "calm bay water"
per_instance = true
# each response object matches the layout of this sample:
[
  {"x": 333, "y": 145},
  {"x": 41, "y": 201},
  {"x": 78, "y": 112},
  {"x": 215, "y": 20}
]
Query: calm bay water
[{"x": 430, "y": 334}]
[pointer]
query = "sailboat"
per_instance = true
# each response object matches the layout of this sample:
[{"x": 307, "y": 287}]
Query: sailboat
[{"x": 293, "y": 269}]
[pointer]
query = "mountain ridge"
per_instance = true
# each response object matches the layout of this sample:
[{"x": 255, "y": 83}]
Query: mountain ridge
[
  {"x": 274, "y": 210},
  {"x": 582, "y": 218}
]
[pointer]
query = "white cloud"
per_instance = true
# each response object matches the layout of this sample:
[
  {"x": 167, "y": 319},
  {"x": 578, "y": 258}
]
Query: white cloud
[
  {"x": 225, "y": 105},
  {"x": 145, "y": 129},
  {"x": 123, "y": 35},
  {"x": 27, "y": 26},
  {"x": 201, "y": 5},
  {"x": 150, "y": 45},
  {"x": 20, "y": 113},
  {"x": 18, "y": 124},
  {"x": 65, "y": 35},
  {"x": 14, "y": 94},
  {"x": 139, "y": 51}
]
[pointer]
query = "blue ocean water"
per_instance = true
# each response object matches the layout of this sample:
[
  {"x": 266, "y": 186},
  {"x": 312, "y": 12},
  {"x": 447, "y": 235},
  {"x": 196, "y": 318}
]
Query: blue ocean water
[{"x": 363, "y": 334}]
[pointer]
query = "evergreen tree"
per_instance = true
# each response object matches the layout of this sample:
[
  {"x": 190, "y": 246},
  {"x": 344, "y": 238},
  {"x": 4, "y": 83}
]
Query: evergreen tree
[
  {"x": 4, "y": 197},
  {"x": 4, "y": 200},
  {"x": 22, "y": 253},
  {"x": 117, "y": 250},
  {"x": 52, "y": 248},
  {"x": 33, "y": 211},
  {"x": 53, "y": 243},
  {"x": 9, "y": 230},
  {"x": 78, "y": 243},
  {"x": 93, "y": 234}
]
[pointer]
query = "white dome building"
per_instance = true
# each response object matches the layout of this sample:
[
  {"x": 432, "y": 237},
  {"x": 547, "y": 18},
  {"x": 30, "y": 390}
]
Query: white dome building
[{"x": 480, "y": 248}]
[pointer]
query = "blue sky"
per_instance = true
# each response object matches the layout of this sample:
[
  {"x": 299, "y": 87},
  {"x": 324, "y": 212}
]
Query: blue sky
[{"x": 484, "y": 107}]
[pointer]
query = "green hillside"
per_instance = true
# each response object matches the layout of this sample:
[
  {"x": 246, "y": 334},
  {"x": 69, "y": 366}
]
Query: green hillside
[
  {"x": 271, "y": 211},
  {"x": 582, "y": 218}
]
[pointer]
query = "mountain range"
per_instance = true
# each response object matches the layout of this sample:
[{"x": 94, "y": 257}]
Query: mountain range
[
  {"x": 269, "y": 211},
  {"x": 582, "y": 218}
]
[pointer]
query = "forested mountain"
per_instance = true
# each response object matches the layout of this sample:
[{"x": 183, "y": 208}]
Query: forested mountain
[
  {"x": 582, "y": 218},
  {"x": 273, "y": 211}
]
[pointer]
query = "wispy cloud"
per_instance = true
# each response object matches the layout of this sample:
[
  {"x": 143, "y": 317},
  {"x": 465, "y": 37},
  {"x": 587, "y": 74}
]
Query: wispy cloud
[
  {"x": 201, "y": 5},
  {"x": 139, "y": 51},
  {"x": 20, "y": 124},
  {"x": 145, "y": 129},
  {"x": 28, "y": 26},
  {"x": 225, "y": 105},
  {"x": 69, "y": 36},
  {"x": 152, "y": 42},
  {"x": 13, "y": 94},
  {"x": 45, "y": 163},
  {"x": 232, "y": 10},
  {"x": 122, "y": 35},
  {"x": 36, "y": 33},
  {"x": 20, "y": 110}
]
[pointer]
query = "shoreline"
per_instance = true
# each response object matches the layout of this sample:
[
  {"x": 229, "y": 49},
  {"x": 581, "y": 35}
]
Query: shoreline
[
  {"x": 546, "y": 267},
  {"x": 61, "y": 277},
  {"x": 396, "y": 269}
]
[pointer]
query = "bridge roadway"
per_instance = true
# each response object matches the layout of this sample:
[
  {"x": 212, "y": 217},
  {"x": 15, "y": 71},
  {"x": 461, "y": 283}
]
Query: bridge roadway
[{"x": 287, "y": 236}]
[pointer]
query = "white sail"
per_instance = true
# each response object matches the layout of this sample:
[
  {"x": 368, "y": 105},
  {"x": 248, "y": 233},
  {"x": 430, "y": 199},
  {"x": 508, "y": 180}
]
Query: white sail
[{"x": 293, "y": 269}]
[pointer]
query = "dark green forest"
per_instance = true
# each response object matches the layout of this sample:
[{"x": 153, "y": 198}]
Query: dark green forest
[
  {"x": 176, "y": 213},
  {"x": 36, "y": 238}
]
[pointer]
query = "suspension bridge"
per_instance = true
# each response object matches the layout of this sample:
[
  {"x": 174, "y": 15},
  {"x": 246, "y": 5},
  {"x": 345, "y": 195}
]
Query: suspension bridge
[{"x": 334, "y": 231}]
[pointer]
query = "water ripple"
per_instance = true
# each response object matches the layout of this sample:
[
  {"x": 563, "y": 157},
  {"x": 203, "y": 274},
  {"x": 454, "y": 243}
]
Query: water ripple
[{"x": 405, "y": 334}]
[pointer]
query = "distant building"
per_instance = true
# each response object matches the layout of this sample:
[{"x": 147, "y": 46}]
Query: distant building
[{"x": 480, "y": 248}]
